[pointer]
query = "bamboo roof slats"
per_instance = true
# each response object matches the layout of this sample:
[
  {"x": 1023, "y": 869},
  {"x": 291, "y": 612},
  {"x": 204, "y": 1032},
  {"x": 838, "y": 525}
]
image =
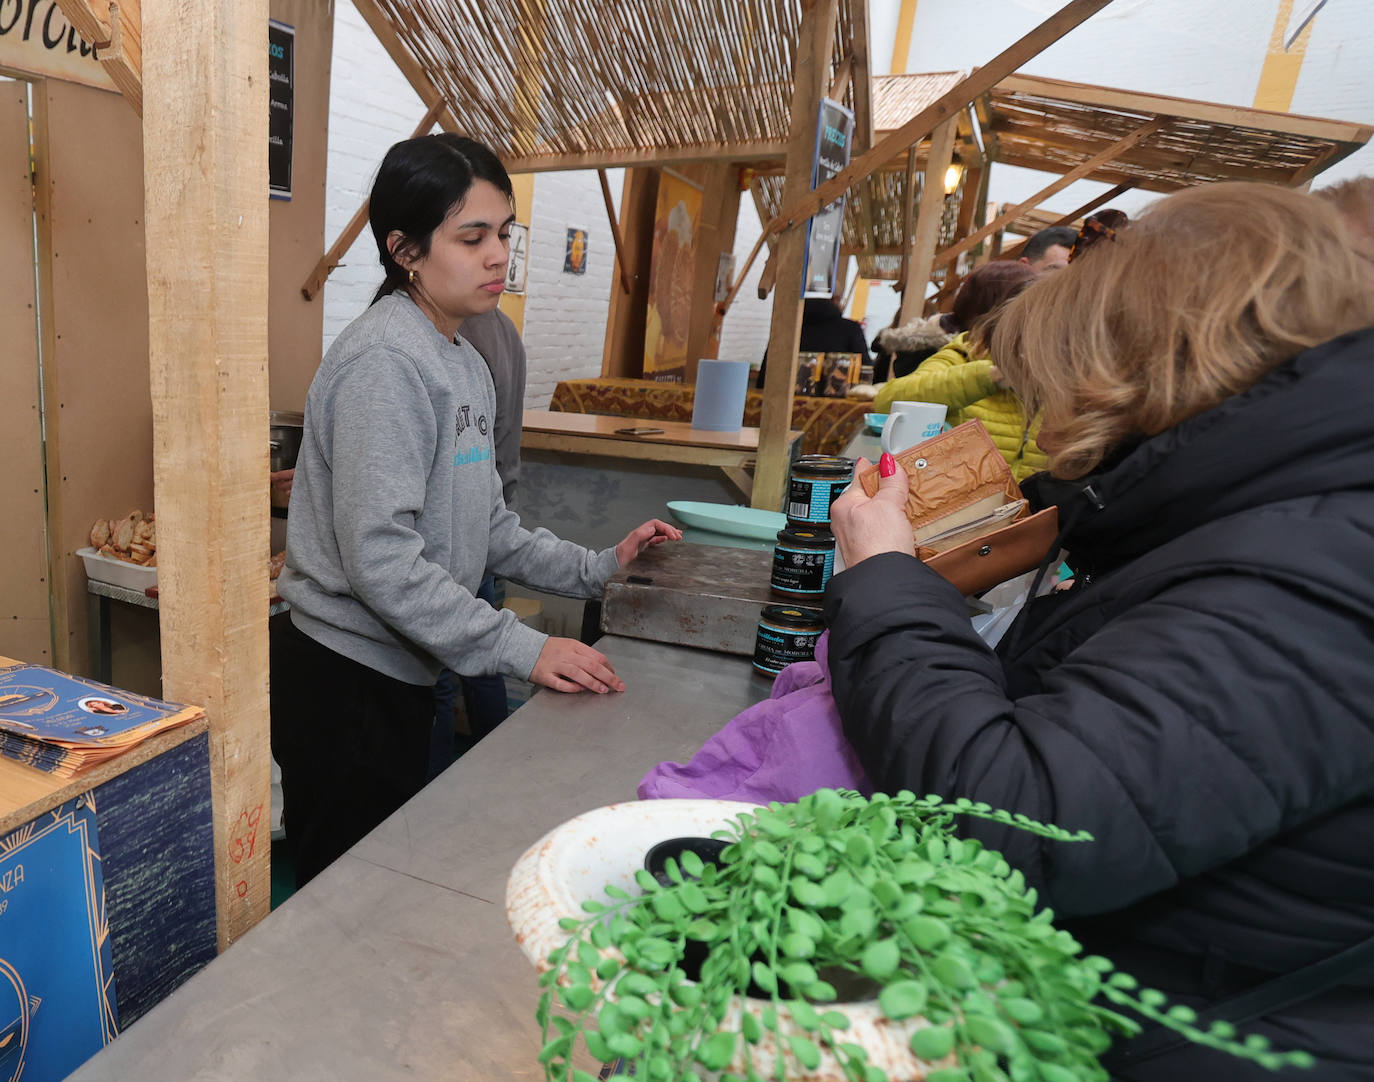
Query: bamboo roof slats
[
  {"x": 1054, "y": 126},
  {"x": 564, "y": 84}
]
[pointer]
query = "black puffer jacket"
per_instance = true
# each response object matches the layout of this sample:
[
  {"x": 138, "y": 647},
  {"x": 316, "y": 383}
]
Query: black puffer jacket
[{"x": 1202, "y": 701}]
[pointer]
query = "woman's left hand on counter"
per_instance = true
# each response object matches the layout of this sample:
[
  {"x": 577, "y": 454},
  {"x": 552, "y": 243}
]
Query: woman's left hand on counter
[
  {"x": 867, "y": 526},
  {"x": 653, "y": 532}
]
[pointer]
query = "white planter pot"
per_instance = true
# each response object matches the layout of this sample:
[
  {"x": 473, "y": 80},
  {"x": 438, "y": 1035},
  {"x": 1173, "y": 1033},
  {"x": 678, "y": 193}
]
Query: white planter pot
[{"x": 575, "y": 861}]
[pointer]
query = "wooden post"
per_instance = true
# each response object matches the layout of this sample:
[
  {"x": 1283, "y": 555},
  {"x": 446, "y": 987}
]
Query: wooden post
[
  {"x": 809, "y": 81},
  {"x": 927, "y": 235},
  {"x": 623, "y": 354},
  {"x": 908, "y": 220},
  {"x": 205, "y": 191},
  {"x": 1091, "y": 165},
  {"x": 615, "y": 230}
]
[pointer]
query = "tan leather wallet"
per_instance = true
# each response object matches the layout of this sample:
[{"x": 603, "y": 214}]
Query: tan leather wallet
[{"x": 968, "y": 517}]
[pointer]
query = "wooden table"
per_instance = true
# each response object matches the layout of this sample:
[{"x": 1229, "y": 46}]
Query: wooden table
[
  {"x": 675, "y": 441},
  {"x": 396, "y": 963}
]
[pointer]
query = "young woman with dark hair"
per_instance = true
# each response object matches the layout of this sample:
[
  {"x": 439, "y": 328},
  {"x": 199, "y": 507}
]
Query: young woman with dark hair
[{"x": 397, "y": 511}]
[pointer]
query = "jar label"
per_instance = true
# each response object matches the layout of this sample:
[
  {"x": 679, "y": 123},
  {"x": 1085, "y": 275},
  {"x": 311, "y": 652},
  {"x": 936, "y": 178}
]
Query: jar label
[
  {"x": 778, "y": 647},
  {"x": 809, "y": 501},
  {"x": 802, "y": 571}
]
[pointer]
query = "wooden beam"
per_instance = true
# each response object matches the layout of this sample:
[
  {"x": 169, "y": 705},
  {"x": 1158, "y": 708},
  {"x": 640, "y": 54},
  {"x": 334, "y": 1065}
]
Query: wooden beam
[
  {"x": 808, "y": 84},
  {"x": 623, "y": 351},
  {"x": 615, "y": 231},
  {"x": 908, "y": 218},
  {"x": 116, "y": 31},
  {"x": 1087, "y": 208},
  {"x": 927, "y": 236},
  {"x": 205, "y": 193},
  {"x": 1119, "y": 147},
  {"x": 411, "y": 68},
  {"x": 1304, "y": 176},
  {"x": 863, "y": 80},
  {"x": 1106, "y": 175},
  {"x": 943, "y": 108},
  {"x": 843, "y": 71},
  {"x": 750, "y": 150},
  {"x": 325, "y": 267}
]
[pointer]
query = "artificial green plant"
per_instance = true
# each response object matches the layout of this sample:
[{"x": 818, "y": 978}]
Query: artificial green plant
[{"x": 841, "y": 897}]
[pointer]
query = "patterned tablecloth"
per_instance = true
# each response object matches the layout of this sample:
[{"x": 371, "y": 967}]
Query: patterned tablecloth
[{"x": 827, "y": 424}]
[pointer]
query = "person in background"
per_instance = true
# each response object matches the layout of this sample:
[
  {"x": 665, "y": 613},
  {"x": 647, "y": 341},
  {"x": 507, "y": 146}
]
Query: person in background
[
  {"x": 899, "y": 349},
  {"x": 397, "y": 514},
  {"x": 824, "y": 329},
  {"x": 496, "y": 338},
  {"x": 963, "y": 377},
  {"x": 1048, "y": 250},
  {"x": 1202, "y": 700}
]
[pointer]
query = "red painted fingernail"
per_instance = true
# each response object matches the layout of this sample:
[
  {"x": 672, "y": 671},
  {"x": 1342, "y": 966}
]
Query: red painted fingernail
[{"x": 887, "y": 465}]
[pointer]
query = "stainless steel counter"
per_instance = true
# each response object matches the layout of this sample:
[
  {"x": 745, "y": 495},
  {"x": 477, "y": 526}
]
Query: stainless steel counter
[{"x": 396, "y": 962}]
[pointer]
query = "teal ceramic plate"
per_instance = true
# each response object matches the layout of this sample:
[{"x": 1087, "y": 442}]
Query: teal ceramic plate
[
  {"x": 727, "y": 519},
  {"x": 875, "y": 422}
]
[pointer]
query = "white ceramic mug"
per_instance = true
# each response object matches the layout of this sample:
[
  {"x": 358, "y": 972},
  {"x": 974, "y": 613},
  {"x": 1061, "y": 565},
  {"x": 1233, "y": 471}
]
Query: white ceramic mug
[{"x": 910, "y": 423}]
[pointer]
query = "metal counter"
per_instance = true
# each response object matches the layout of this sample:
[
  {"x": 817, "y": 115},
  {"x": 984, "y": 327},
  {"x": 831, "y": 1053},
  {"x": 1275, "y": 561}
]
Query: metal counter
[{"x": 396, "y": 962}]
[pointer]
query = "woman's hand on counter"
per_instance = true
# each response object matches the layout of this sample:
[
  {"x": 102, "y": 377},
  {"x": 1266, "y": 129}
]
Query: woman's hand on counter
[
  {"x": 569, "y": 665},
  {"x": 867, "y": 526},
  {"x": 653, "y": 532}
]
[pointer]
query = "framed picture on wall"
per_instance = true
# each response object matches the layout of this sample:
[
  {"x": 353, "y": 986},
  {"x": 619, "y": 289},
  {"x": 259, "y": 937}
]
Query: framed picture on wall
[
  {"x": 519, "y": 263},
  {"x": 575, "y": 254}
]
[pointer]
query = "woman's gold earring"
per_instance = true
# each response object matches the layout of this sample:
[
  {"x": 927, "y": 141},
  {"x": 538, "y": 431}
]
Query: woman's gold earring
[{"x": 410, "y": 276}]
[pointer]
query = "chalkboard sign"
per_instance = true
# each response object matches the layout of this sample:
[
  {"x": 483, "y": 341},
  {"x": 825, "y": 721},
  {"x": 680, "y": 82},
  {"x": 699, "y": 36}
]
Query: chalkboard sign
[{"x": 281, "y": 95}]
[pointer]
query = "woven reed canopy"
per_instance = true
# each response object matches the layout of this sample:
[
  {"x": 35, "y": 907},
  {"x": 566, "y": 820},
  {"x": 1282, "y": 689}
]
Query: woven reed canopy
[
  {"x": 575, "y": 84},
  {"x": 1055, "y": 126}
]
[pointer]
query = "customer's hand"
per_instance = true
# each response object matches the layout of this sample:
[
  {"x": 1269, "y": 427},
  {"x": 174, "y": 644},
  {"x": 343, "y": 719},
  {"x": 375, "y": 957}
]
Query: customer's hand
[
  {"x": 280, "y": 483},
  {"x": 867, "y": 526},
  {"x": 569, "y": 665},
  {"x": 640, "y": 538},
  {"x": 998, "y": 378}
]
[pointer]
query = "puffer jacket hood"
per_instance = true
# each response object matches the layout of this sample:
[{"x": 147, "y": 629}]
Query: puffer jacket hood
[
  {"x": 923, "y": 333},
  {"x": 1303, "y": 430}
]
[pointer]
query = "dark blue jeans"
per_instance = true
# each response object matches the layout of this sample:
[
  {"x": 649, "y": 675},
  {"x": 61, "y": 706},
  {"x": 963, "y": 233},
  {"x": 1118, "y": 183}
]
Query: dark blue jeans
[{"x": 484, "y": 701}]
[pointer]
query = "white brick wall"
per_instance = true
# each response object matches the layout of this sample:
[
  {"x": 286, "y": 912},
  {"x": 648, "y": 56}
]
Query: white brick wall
[{"x": 565, "y": 314}]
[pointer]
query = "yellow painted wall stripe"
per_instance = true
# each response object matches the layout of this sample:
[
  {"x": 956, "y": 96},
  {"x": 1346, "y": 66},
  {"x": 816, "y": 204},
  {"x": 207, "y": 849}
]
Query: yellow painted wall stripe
[
  {"x": 901, "y": 47},
  {"x": 1279, "y": 76}
]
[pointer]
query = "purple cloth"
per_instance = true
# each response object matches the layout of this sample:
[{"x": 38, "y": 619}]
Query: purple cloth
[{"x": 784, "y": 748}]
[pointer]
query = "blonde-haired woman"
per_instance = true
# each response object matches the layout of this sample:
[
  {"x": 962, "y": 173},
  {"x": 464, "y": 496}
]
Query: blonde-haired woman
[{"x": 1202, "y": 699}]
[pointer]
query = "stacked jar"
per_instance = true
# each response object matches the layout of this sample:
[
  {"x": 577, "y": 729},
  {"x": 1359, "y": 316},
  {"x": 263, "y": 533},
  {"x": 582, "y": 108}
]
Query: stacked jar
[{"x": 803, "y": 561}]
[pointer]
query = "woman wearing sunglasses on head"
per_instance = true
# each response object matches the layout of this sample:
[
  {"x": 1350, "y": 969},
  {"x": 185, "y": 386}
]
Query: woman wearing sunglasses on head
[
  {"x": 397, "y": 511},
  {"x": 1202, "y": 699}
]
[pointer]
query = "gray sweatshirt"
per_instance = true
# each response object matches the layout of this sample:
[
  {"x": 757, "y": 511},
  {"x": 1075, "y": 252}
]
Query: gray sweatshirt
[{"x": 396, "y": 510}]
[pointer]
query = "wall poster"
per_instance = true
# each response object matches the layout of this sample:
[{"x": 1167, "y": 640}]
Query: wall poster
[
  {"x": 669, "y": 317},
  {"x": 519, "y": 263}
]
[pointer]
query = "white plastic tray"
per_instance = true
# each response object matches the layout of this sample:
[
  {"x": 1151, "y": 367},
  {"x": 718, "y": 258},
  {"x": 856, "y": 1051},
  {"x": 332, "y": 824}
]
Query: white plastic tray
[{"x": 117, "y": 572}]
